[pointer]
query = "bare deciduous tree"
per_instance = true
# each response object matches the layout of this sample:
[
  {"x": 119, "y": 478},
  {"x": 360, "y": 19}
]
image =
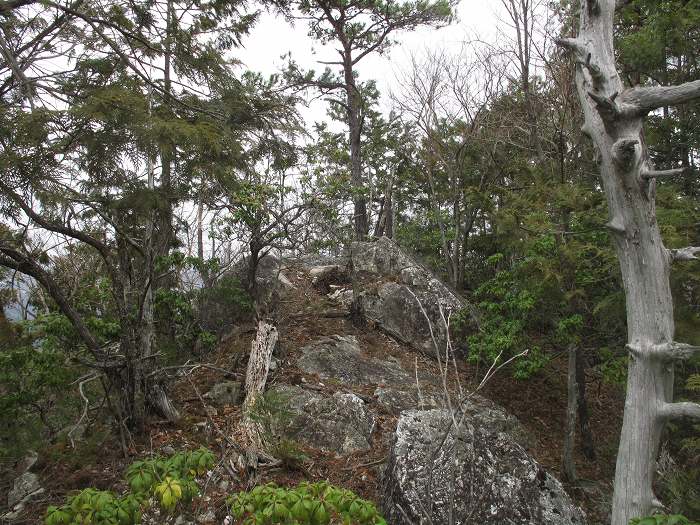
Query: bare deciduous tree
[{"x": 447, "y": 98}]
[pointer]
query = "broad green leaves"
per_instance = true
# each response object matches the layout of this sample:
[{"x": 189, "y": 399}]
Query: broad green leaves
[
  {"x": 171, "y": 481},
  {"x": 306, "y": 504}
]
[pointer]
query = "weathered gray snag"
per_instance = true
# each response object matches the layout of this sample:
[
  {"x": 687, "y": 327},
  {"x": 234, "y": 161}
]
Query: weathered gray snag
[
  {"x": 614, "y": 117},
  {"x": 256, "y": 377}
]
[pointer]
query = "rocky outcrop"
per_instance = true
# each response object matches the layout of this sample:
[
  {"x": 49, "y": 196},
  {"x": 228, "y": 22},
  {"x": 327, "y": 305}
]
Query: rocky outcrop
[
  {"x": 340, "y": 358},
  {"x": 439, "y": 473},
  {"x": 339, "y": 423},
  {"x": 403, "y": 296}
]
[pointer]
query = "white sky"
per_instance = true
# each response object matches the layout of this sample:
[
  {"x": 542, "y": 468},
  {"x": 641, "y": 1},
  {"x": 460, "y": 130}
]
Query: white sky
[{"x": 273, "y": 36}]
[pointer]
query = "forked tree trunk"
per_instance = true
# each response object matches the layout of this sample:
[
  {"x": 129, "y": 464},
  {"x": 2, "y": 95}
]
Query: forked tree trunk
[{"x": 614, "y": 117}]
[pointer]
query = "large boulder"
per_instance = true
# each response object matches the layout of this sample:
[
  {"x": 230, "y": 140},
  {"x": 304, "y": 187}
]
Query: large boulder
[
  {"x": 467, "y": 474},
  {"x": 339, "y": 423},
  {"x": 340, "y": 358},
  {"x": 477, "y": 410},
  {"x": 407, "y": 299}
]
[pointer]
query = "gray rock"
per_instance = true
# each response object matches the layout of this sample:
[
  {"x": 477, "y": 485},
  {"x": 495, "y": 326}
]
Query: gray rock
[
  {"x": 13, "y": 515},
  {"x": 318, "y": 273},
  {"x": 477, "y": 410},
  {"x": 313, "y": 260},
  {"x": 395, "y": 401},
  {"x": 486, "y": 414},
  {"x": 381, "y": 257},
  {"x": 342, "y": 296},
  {"x": 395, "y": 304},
  {"x": 340, "y": 358},
  {"x": 338, "y": 423},
  {"x": 168, "y": 450},
  {"x": 226, "y": 393},
  {"x": 24, "y": 488},
  {"x": 476, "y": 475},
  {"x": 284, "y": 281}
]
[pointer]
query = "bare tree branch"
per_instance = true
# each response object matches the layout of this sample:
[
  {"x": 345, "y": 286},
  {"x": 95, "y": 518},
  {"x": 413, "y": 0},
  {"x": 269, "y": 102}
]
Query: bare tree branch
[
  {"x": 646, "y": 99},
  {"x": 681, "y": 409},
  {"x": 684, "y": 254},
  {"x": 656, "y": 174}
]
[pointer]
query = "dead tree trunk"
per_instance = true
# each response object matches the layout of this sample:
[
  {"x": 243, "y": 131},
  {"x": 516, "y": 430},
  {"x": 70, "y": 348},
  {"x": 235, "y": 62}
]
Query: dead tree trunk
[
  {"x": 256, "y": 377},
  {"x": 614, "y": 116}
]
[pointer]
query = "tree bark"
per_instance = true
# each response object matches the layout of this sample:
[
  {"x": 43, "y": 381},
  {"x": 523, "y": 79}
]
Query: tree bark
[
  {"x": 614, "y": 120},
  {"x": 385, "y": 220},
  {"x": 587, "y": 441},
  {"x": 355, "y": 132},
  {"x": 256, "y": 378},
  {"x": 568, "y": 467}
]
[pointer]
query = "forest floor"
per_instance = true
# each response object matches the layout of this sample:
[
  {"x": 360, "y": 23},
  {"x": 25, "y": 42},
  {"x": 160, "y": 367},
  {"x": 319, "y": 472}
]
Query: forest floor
[{"x": 539, "y": 403}]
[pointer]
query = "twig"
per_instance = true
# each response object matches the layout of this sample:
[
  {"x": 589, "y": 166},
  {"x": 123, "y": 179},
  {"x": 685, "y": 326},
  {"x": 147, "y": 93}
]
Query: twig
[{"x": 369, "y": 464}]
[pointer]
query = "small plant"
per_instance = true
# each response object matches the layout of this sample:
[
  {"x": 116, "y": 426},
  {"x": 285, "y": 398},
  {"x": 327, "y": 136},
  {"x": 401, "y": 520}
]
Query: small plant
[
  {"x": 92, "y": 506},
  {"x": 307, "y": 503},
  {"x": 170, "y": 481}
]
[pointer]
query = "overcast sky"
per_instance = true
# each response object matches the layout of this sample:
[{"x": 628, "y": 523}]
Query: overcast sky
[{"x": 273, "y": 36}]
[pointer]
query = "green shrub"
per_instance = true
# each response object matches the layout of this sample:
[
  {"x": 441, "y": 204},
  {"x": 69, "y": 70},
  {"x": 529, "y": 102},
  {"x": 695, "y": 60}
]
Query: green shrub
[
  {"x": 33, "y": 404},
  {"x": 307, "y": 503},
  {"x": 98, "y": 507},
  {"x": 170, "y": 481}
]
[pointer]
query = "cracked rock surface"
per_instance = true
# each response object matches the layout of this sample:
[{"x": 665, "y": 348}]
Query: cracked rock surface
[{"x": 439, "y": 473}]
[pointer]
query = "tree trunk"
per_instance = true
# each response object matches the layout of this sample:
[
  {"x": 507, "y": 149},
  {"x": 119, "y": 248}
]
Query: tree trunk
[
  {"x": 166, "y": 153},
  {"x": 164, "y": 235},
  {"x": 204, "y": 273},
  {"x": 355, "y": 131},
  {"x": 568, "y": 467},
  {"x": 256, "y": 378},
  {"x": 384, "y": 224},
  {"x": 587, "y": 442},
  {"x": 389, "y": 223},
  {"x": 613, "y": 119}
]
